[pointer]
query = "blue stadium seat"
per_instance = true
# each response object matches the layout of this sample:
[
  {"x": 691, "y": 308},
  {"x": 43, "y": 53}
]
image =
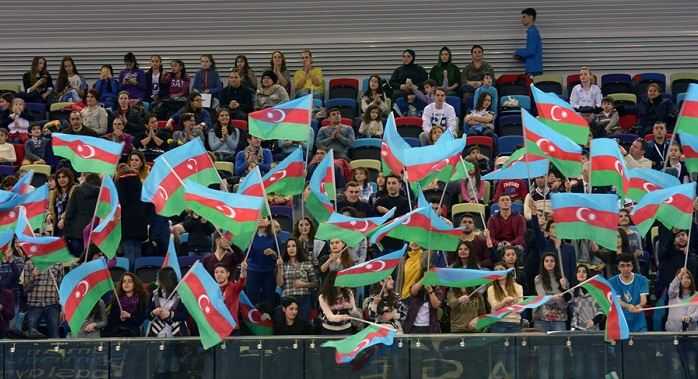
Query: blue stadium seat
[
  {"x": 367, "y": 148},
  {"x": 507, "y": 144},
  {"x": 347, "y": 107},
  {"x": 616, "y": 83}
]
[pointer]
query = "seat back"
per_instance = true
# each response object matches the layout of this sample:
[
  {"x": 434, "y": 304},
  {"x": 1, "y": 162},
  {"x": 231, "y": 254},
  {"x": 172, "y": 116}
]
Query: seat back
[
  {"x": 616, "y": 83},
  {"x": 344, "y": 88},
  {"x": 642, "y": 81},
  {"x": 347, "y": 107}
]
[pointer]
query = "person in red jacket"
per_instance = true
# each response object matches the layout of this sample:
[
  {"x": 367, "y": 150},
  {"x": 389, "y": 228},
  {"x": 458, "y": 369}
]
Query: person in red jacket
[
  {"x": 231, "y": 290},
  {"x": 506, "y": 226}
]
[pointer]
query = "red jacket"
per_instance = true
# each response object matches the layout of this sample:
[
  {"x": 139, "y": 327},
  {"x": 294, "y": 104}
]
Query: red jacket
[
  {"x": 510, "y": 230},
  {"x": 231, "y": 298}
]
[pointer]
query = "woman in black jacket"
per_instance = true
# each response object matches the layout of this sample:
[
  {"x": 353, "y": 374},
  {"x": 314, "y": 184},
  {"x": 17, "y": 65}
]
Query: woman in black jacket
[{"x": 80, "y": 210}]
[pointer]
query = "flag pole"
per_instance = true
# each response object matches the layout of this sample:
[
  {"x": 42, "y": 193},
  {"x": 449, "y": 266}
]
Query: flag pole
[
  {"x": 334, "y": 179},
  {"x": 528, "y": 169},
  {"x": 94, "y": 214},
  {"x": 690, "y": 228},
  {"x": 116, "y": 296},
  {"x": 191, "y": 269},
  {"x": 669, "y": 306},
  {"x": 580, "y": 284},
  {"x": 407, "y": 187},
  {"x": 271, "y": 219},
  {"x": 472, "y": 186},
  {"x": 559, "y": 260},
  {"x": 371, "y": 323}
]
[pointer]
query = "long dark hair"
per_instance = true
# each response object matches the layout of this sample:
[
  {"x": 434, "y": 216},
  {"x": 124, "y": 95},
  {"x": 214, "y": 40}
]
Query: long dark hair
[
  {"x": 368, "y": 93},
  {"x": 477, "y": 174},
  {"x": 188, "y": 108},
  {"x": 472, "y": 257},
  {"x": 63, "y": 75},
  {"x": 481, "y": 100},
  {"x": 329, "y": 292},
  {"x": 167, "y": 280},
  {"x": 388, "y": 295},
  {"x": 691, "y": 288},
  {"x": 543, "y": 273},
  {"x": 509, "y": 288},
  {"x": 283, "y": 60},
  {"x": 625, "y": 242},
  {"x": 578, "y": 290},
  {"x": 311, "y": 233},
  {"x": 71, "y": 179},
  {"x": 35, "y": 69},
  {"x": 218, "y": 128},
  {"x": 183, "y": 72},
  {"x": 301, "y": 254}
]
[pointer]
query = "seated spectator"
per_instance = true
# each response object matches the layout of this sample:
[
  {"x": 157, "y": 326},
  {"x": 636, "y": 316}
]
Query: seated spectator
[
  {"x": 236, "y": 97},
  {"x": 609, "y": 117},
  {"x": 483, "y": 162},
  {"x": 153, "y": 141},
  {"x": 473, "y": 74},
  {"x": 131, "y": 116},
  {"x": 309, "y": 78},
  {"x": 635, "y": 158},
  {"x": 207, "y": 79},
  {"x": 224, "y": 139},
  {"x": 429, "y": 91},
  {"x": 371, "y": 123},
  {"x": 254, "y": 153},
  {"x": 71, "y": 85},
  {"x": 352, "y": 199},
  {"x": 548, "y": 243},
  {"x": 296, "y": 275},
  {"x": 288, "y": 146},
  {"x": 94, "y": 116},
  {"x": 439, "y": 113},
  {"x": 385, "y": 305},
  {"x": 193, "y": 105},
  {"x": 336, "y": 136},
  {"x": 132, "y": 78},
  {"x": 106, "y": 85},
  {"x": 156, "y": 89},
  {"x": 410, "y": 105},
  {"x": 177, "y": 80},
  {"x": 38, "y": 85},
  {"x": 246, "y": 73},
  {"x": 654, "y": 108},
  {"x": 127, "y": 310},
  {"x": 406, "y": 75},
  {"x": 365, "y": 187},
  {"x": 77, "y": 127},
  {"x": 505, "y": 232},
  {"x": 596, "y": 129},
  {"x": 446, "y": 71},
  {"x": 675, "y": 162},
  {"x": 472, "y": 188},
  {"x": 16, "y": 119},
  {"x": 120, "y": 136},
  {"x": 515, "y": 188},
  {"x": 339, "y": 165},
  {"x": 489, "y": 88},
  {"x": 269, "y": 94},
  {"x": 481, "y": 118},
  {"x": 7, "y": 150},
  {"x": 35, "y": 147},
  {"x": 585, "y": 94},
  {"x": 374, "y": 95},
  {"x": 290, "y": 324},
  {"x": 277, "y": 65},
  {"x": 200, "y": 230},
  {"x": 430, "y": 138},
  {"x": 658, "y": 147},
  {"x": 478, "y": 240},
  {"x": 186, "y": 131}
]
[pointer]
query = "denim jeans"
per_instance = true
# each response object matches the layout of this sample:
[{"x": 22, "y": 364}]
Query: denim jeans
[
  {"x": 71, "y": 95},
  {"x": 316, "y": 94},
  {"x": 76, "y": 246},
  {"x": 51, "y": 314},
  {"x": 304, "y": 307},
  {"x": 547, "y": 351},
  {"x": 132, "y": 248}
]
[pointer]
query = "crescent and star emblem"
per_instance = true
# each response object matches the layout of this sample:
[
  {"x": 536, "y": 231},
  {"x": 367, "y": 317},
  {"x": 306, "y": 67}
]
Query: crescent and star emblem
[
  {"x": 275, "y": 115},
  {"x": 563, "y": 114},
  {"x": 81, "y": 150}
]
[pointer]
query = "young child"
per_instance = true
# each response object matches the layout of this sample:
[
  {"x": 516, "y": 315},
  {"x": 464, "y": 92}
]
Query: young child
[
  {"x": 489, "y": 88},
  {"x": 361, "y": 177},
  {"x": 35, "y": 147},
  {"x": 20, "y": 122},
  {"x": 372, "y": 124},
  {"x": 429, "y": 90},
  {"x": 412, "y": 106},
  {"x": 7, "y": 151},
  {"x": 481, "y": 118},
  {"x": 609, "y": 117}
]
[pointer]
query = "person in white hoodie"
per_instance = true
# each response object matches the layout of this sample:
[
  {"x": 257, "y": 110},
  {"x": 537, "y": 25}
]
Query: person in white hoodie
[{"x": 439, "y": 113}]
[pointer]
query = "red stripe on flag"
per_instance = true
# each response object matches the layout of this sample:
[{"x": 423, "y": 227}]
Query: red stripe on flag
[
  {"x": 551, "y": 149},
  {"x": 170, "y": 184},
  {"x": 238, "y": 214},
  {"x": 277, "y": 115},
  {"x": 688, "y": 151},
  {"x": 42, "y": 249},
  {"x": 365, "y": 225},
  {"x": 690, "y": 108},
  {"x": 78, "y": 149},
  {"x": 293, "y": 170},
  {"x": 594, "y": 217},
  {"x": 78, "y": 293},
  {"x": 99, "y": 237},
  {"x": 389, "y": 158},
  {"x": 251, "y": 314},
  {"x": 420, "y": 171},
  {"x": 644, "y": 185},
  {"x": 389, "y": 265},
  {"x": 546, "y": 111},
  {"x": 217, "y": 321}
]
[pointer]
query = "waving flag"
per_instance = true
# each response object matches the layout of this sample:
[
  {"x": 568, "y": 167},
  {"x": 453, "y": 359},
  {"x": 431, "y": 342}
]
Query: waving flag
[
  {"x": 351, "y": 230},
  {"x": 349, "y": 348},
  {"x": 251, "y": 184},
  {"x": 461, "y": 171},
  {"x": 202, "y": 297},
  {"x": 520, "y": 155},
  {"x": 690, "y": 149},
  {"x": 322, "y": 189},
  {"x": 560, "y": 116},
  {"x": 527, "y": 303},
  {"x": 34, "y": 204},
  {"x": 290, "y": 120},
  {"x": 259, "y": 324},
  {"x": 107, "y": 235},
  {"x": 81, "y": 289},
  {"x": 461, "y": 277},
  {"x": 587, "y": 216},
  {"x": 163, "y": 187},
  {"x": 23, "y": 184},
  {"x": 607, "y": 166},
  {"x": 217, "y": 207},
  {"x": 437, "y": 161},
  {"x": 393, "y": 148},
  {"x": 88, "y": 154},
  {"x": 602, "y": 291},
  {"x": 370, "y": 272},
  {"x": 287, "y": 177},
  {"x": 543, "y": 141},
  {"x": 44, "y": 252},
  {"x": 422, "y": 226},
  {"x": 643, "y": 180},
  {"x": 5, "y": 239},
  {"x": 671, "y": 206},
  {"x": 688, "y": 118},
  {"x": 171, "y": 259}
]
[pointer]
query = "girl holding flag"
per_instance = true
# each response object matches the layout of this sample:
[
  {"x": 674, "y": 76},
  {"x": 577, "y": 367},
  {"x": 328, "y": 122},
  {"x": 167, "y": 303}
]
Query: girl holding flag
[
  {"x": 126, "y": 320},
  {"x": 386, "y": 306},
  {"x": 682, "y": 319},
  {"x": 551, "y": 316},
  {"x": 587, "y": 316},
  {"x": 296, "y": 275}
]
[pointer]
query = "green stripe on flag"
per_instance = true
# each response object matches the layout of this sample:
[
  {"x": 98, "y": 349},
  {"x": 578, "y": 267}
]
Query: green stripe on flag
[
  {"x": 581, "y": 230},
  {"x": 576, "y": 133}
]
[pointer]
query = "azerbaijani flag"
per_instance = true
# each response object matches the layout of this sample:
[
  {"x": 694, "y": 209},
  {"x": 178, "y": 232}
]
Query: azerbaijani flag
[
  {"x": 671, "y": 206},
  {"x": 602, "y": 291},
  {"x": 259, "y": 324},
  {"x": 81, "y": 289},
  {"x": 688, "y": 118},
  {"x": 164, "y": 186},
  {"x": 543, "y": 141},
  {"x": 643, "y": 180},
  {"x": 560, "y": 116},
  {"x": 520, "y": 170},
  {"x": 690, "y": 149},
  {"x": 607, "y": 166},
  {"x": 202, "y": 297},
  {"x": 351, "y": 230},
  {"x": 520, "y": 155},
  {"x": 461, "y": 171},
  {"x": 34, "y": 204},
  {"x": 218, "y": 207},
  {"x": 107, "y": 234},
  {"x": 322, "y": 189},
  {"x": 422, "y": 226},
  {"x": 171, "y": 258},
  {"x": 437, "y": 161},
  {"x": 393, "y": 148},
  {"x": 23, "y": 184},
  {"x": 287, "y": 177},
  {"x": 350, "y": 347},
  {"x": 251, "y": 184},
  {"x": 370, "y": 272},
  {"x": 461, "y": 277},
  {"x": 44, "y": 252},
  {"x": 290, "y": 120},
  {"x": 587, "y": 216},
  {"x": 692, "y": 300},
  {"x": 88, "y": 154},
  {"x": 528, "y": 302},
  {"x": 5, "y": 239}
]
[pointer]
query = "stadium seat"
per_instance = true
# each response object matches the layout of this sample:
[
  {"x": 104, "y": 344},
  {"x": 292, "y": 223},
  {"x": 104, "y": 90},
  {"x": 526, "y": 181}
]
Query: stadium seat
[
  {"x": 650, "y": 137},
  {"x": 626, "y": 121},
  {"x": 616, "y": 83},
  {"x": 413, "y": 142},
  {"x": 162, "y": 124},
  {"x": 60, "y": 105},
  {"x": 511, "y": 85},
  {"x": 679, "y": 99},
  {"x": 19, "y": 152},
  {"x": 645, "y": 79},
  {"x": 344, "y": 88},
  {"x": 39, "y": 108},
  {"x": 228, "y": 167},
  {"x": 409, "y": 126},
  {"x": 146, "y": 268},
  {"x": 623, "y": 99},
  {"x": 680, "y": 82},
  {"x": 524, "y": 102},
  {"x": 347, "y": 107},
  {"x": 549, "y": 83},
  {"x": 345, "y": 121},
  {"x": 367, "y": 148},
  {"x": 486, "y": 145},
  {"x": 507, "y": 143},
  {"x": 454, "y": 101},
  {"x": 186, "y": 262},
  {"x": 284, "y": 215},
  {"x": 372, "y": 165},
  {"x": 14, "y": 87},
  {"x": 123, "y": 262},
  {"x": 240, "y": 124},
  {"x": 573, "y": 80},
  {"x": 476, "y": 210}
]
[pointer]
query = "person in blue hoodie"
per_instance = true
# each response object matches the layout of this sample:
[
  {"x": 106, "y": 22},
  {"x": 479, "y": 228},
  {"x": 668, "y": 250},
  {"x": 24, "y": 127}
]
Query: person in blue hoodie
[
  {"x": 207, "y": 79},
  {"x": 532, "y": 55}
]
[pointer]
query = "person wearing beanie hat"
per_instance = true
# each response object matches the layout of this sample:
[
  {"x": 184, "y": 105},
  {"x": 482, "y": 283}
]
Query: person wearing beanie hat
[
  {"x": 444, "y": 71},
  {"x": 132, "y": 78},
  {"x": 309, "y": 77},
  {"x": 407, "y": 75},
  {"x": 269, "y": 93}
]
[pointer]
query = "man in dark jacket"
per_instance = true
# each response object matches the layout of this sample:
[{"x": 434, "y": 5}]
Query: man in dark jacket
[
  {"x": 80, "y": 210},
  {"x": 236, "y": 97}
]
